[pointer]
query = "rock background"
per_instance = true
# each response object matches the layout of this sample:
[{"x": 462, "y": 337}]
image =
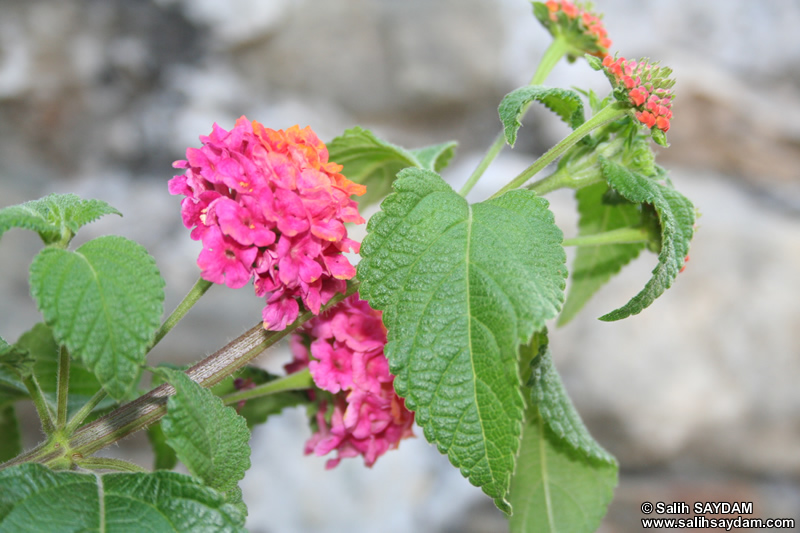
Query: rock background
[{"x": 697, "y": 396}]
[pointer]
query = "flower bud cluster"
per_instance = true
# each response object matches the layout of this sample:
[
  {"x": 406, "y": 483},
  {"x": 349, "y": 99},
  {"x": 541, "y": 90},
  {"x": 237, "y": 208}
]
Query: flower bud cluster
[
  {"x": 359, "y": 413},
  {"x": 577, "y": 20},
  {"x": 645, "y": 86},
  {"x": 267, "y": 205}
]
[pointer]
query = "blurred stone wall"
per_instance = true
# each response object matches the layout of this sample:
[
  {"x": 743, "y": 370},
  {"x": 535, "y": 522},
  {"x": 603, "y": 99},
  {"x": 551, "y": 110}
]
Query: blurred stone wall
[{"x": 696, "y": 396}]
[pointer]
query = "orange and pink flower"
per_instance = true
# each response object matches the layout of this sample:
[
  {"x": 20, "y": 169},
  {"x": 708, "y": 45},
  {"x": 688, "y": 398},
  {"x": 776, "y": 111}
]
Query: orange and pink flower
[
  {"x": 645, "y": 86},
  {"x": 269, "y": 206}
]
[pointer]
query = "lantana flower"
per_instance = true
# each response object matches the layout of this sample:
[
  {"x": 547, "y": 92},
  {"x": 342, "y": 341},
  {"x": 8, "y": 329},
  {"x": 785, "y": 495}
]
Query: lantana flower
[
  {"x": 268, "y": 206},
  {"x": 577, "y": 24},
  {"x": 359, "y": 413},
  {"x": 645, "y": 86}
]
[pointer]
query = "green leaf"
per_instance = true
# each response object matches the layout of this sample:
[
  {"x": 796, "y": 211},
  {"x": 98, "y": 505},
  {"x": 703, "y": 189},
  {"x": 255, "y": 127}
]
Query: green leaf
[
  {"x": 373, "y": 162},
  {"x": 555, "y": 489},
  {"x": 35, "y": 499},
  {"x": 565, "y": 103},
  {"x": 209, "y": 438},
  {"x": 42, "y": 347},
  {"x": 676, "y": 216},
  {"x": 10, "y": 440},
  {"x": 258, "y": 410},
  {"x": 55, "y": 216},
  {"x": 595, "y": 265},
  {"x": 104, "y": 302},
  {"x": 165, "y": 456},
  {"x": 14, "y": 363},
  {"x": 461, "y": 287},
  {"x": 436, "y": 157},
  {"x": 557, "y": 411}
]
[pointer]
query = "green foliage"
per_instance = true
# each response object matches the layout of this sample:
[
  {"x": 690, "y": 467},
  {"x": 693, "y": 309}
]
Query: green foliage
[
  {"x": 39, "y": 343},
  {"x": 36, "y": 499},
  {"x": 373, "y": 162},
  {"x": 676, "y": 217},
  {"x": 554, "y": 488},
  {"x": 258, "y": 410},
  {"x": 209, "y": 438},
  {"x": 436, "y": 157},
  {"x": 165, "y": 456},
  {"x": 14, "y": 363},
  {"x": 56, "y": 217},
  {"x": 103, "y": 302},
  {"x": 462, "y": 286},
  {"x": 595, "y": 265},
  {"x": 10, "y": 442},
  {"x": 557, "y": 411},
  {"x": 565, "y": 103}
]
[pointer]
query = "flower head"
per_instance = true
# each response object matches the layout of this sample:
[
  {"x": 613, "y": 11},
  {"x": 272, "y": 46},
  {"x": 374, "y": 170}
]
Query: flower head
[
  {"x": 359, "y": 412},
  {"x": 645, "y": 86},
  {"x": 269, "y": 206},
  {"x": 577, "y": 24}
]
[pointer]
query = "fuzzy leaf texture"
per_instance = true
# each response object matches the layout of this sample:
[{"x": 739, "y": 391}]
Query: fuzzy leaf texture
[
  {"x": 461, "y": 287},
  {"x": 39, "y": 344},
  {"x": 37, "y": 500},
  {"x": 565, "y": 103},
  {"x": 555, "y": 408},
  {"x": 595, "y": 265},
  {"x": 11, "y": 440},
  {"x": 104, "y": 302},
  {"x": 54, "y": 216},
  {"x": 555, "y": 489},
  {"x": 373, "y": 162},
  {"x": 209, "y": 438},
  {"x": 676, "y": 217}
]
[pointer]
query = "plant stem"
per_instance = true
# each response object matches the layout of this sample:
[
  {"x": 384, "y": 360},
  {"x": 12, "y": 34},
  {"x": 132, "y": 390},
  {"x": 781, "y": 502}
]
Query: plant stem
[
  {"x": 616, "y": 236},
  {"x": 108, "y": 463},
  {"x": 608, "y": 114},
  {"x": 85, "y": 411},
  {"x": 557, "y": 49},
  {"x": 149, "y": 407},
  {"x": 297, "y": 381},
  {"x": 40, "y": 403},
  {"x": 200, "y": 287},
  {"x": 62, "y": 388}
]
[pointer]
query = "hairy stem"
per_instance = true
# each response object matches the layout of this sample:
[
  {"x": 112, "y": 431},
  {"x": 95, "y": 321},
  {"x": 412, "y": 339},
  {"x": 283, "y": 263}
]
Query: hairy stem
[
  {"x": 40, "y": 403},
  {"x": 62, "y": 387},
  {"x": 200, "y": 287},
  {"x": 616, "y": 236},
  {"x": 608, "y": 114},
  {"x": 85, "y": 411},
  {"x": 557, "y": 49},
  {"x": 150, "y": 407},
  {"x": 297, "y": 381}
]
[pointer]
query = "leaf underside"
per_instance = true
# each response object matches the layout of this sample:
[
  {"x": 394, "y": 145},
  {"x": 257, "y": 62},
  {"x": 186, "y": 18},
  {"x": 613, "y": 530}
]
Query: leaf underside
[
  {"x": 565, "y": 103},
  {"x": 594, "y": 266},
  {"x": 555, "y": 489},
  {"x": 373, "y": 162},
  {"x": 461, "y": 287},
  {"x": 676, "y": 216}
]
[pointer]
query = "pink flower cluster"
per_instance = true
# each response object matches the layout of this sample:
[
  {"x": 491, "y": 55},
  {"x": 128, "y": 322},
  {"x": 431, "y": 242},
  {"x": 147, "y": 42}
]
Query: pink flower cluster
[
  {"x": 589, "y": 23},
  {"x": 359, "y": 412},
  {"x": 268, "y": 205},
  {"x": 648, "y": 89}
]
